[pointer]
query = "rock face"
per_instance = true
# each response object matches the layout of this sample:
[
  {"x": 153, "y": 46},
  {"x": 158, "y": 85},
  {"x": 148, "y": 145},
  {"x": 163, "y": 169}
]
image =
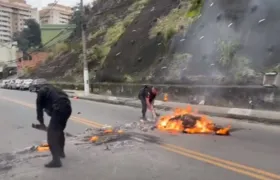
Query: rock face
[{"x": 230, "y": 40}]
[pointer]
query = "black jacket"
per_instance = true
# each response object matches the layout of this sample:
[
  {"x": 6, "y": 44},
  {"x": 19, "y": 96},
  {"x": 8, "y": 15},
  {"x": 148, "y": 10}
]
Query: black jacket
[
  {"x": 48, "y": 99},
  {"x": 146, "y": 92}
]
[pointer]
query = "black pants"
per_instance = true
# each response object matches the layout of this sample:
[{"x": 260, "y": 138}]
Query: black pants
[
  {"x": 144, "y": 107},
  {"x": 55, "y": 134}
]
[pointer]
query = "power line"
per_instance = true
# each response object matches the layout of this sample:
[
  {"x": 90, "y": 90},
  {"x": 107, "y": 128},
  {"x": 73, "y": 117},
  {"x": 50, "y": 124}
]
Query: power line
[
  {"x": 45, "y": 14},
  {"x": 35, "y": 51},
  {"x": 62, "y": 31},
  {"x": 40, "y": 18}
]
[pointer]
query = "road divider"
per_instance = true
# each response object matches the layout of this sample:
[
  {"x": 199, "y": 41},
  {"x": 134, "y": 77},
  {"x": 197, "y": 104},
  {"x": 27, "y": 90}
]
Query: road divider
[{"x": 225, "y": 164}]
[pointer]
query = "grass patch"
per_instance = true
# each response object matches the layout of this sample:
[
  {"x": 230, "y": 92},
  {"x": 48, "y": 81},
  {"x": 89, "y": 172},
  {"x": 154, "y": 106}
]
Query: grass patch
[
  {"x": 100, "y": 31},
  {"x": 181, "y": 56},
  {"x": 234, "y": 66},
  {"x": 56, "y": 50},
  {"x": 195, "y": 8},
  {"x": 114, "y": 32},
  {"x": 183, "y": 15},
  {"x": 128, "y": 78},
  {"x": 59, "y": 48},
  {"x": 110, "y": 36}
]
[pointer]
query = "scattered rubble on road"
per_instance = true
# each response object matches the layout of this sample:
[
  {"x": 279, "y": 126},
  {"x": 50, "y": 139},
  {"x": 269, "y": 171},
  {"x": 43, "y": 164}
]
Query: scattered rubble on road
[
  {"x": 111, "y": 138},
  {"x": 119, "y": 137}
]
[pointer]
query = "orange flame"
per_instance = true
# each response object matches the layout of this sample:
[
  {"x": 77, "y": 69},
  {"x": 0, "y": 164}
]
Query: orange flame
[
  {"x": 43, "y": 148},
  {"x": 94, "y": 138},
  {"x": 106, "y": 131},
  {"x": 203, "y": 125}
]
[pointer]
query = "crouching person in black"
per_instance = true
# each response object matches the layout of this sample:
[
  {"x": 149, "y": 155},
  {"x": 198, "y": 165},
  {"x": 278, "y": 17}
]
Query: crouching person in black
[
  {"x": 57, "y": 105},
  {"x": 147, "y": 95}
]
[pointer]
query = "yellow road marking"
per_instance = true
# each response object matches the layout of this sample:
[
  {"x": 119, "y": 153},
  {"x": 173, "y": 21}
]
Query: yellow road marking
[
  {"x": 74, "y": 118},
  {"x": 230, "y": 163},
  {"x": 239, "y": 168},
  {"x": 256, "y": 176}
]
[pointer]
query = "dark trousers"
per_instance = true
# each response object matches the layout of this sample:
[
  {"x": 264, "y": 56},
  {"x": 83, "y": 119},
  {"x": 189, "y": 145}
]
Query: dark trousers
[
  {"x": 55, "y": 133},
  {"x": 144, "y": 107}
]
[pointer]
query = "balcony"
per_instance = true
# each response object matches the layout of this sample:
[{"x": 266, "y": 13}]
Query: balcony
[
  {"x": 5, "y": 28},
  {"x": 4, "y": 24},
  {"x": 2, "y": 38},
  {"x": 5, "y": 33}
]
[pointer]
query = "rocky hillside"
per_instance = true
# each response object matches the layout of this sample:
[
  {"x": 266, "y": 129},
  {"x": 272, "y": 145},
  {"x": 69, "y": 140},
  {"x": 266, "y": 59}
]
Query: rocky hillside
[{"x": 178, "y": 41}]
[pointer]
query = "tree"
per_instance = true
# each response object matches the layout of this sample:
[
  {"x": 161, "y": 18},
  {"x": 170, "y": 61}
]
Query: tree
[
  {"x": 33, "y": 33},
  {"x": 29, "y": 37},
  {"x": 76, "y": 19}
]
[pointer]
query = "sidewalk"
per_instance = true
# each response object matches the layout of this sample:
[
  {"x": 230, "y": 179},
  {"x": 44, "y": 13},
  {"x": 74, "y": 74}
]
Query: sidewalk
[{"x": 270, "y": 117}]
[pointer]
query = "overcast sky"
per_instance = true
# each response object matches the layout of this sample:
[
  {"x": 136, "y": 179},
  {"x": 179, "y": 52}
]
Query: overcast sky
[{"x": 41, "y": 3}]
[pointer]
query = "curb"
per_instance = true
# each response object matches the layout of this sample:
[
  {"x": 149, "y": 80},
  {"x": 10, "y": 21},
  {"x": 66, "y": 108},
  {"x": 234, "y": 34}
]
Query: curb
[{"x": 253, "y": 116}]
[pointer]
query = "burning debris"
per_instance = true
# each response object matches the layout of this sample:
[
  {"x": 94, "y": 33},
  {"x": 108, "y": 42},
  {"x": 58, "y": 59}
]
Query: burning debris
[
  {"x": 186, "y": 121},
  {"x": 104, "y": 135},
  {"x": 43, "y": 147},
  {"x": 109, "y": 134}
]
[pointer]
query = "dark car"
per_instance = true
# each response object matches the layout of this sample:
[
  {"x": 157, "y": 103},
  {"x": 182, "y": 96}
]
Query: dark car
[{"x": 36, "y": 84}]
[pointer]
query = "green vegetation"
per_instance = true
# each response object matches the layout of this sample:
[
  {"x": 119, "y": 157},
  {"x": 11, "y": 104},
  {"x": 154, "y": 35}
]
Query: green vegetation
[
  {"x": 128, "y": 78},
  {"x": 97, "y": 53},
  {"x": 52, "y": 34},
  {"x": 114, "y": 32},
  {"x": 100, "y": 31},
  {"x": 182, "y": 16},
  {"x": 195, "y": 8},
  {"x": 232, "y": 65},
  {"x": 29, "y": 37},
  {"x": 57, "y": 49}
]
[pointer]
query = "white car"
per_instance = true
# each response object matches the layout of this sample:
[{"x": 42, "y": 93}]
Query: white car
[
  {"x": 17, "y": 84},
  {"x": 26, "y": 84},
  {"x": 4, "y": 83}
]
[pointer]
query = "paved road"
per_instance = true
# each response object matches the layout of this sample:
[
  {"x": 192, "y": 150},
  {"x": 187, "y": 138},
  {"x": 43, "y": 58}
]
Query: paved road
[{"x": 252, "y": 152}]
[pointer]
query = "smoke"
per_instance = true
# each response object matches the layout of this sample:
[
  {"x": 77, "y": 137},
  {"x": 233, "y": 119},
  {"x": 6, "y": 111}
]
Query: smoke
[{"x": 253, "y": 24}]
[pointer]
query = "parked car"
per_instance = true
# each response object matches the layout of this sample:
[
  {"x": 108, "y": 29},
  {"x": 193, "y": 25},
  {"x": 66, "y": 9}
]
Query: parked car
[
  {"x": 36, "y": 84},
  {"x": 11, "y": 83},
  {"x": 17, "y": 84},
  {"x": 4, "y": 84},
  {"x": 25, "y": 84}
]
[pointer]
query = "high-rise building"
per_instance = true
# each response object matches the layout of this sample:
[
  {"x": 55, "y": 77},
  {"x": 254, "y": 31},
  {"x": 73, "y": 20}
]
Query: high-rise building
[
  {"x": 13, "y": 13},
  {"x": 55, "y": 14}
]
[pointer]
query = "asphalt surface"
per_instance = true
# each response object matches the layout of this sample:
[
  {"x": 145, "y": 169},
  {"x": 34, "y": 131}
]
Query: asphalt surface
[{"x": 251, "y": 152}]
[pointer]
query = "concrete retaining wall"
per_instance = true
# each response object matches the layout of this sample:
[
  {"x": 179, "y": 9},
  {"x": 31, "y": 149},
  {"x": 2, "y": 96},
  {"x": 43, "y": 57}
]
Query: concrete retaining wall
[{"x": 227, "y": 96}]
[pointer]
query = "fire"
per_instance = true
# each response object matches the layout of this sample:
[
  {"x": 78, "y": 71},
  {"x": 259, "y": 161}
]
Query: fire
[
  {"x": 94, "y": 138},
  {"x": 187, "y": 121},
  {"x": 103, "y": 133},
  {"x": 43, "y": 148}
]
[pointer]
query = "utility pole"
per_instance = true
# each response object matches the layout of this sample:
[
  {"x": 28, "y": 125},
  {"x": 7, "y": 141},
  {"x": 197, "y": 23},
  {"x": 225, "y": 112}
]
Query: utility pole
[{"x": 83, "y": 28}]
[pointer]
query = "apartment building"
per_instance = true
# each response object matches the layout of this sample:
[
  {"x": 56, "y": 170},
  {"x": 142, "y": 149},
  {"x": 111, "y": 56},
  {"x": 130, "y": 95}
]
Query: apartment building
[
  {"x": 55, "y": 14},
  {"x": 13, "y": 13}
]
